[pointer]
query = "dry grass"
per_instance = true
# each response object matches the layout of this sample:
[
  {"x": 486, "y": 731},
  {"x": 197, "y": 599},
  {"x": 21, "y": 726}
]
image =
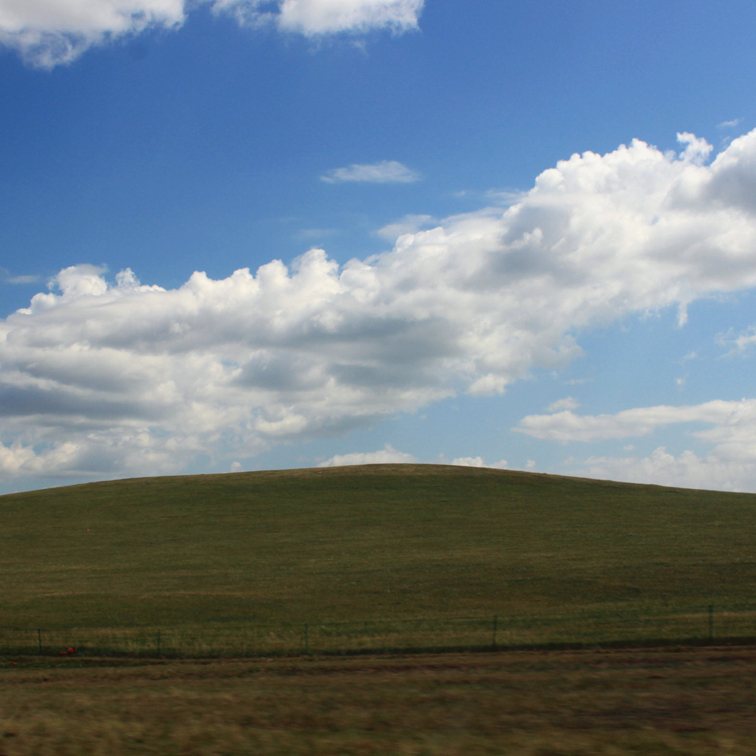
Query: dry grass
[{"x": 686, "y": 702}]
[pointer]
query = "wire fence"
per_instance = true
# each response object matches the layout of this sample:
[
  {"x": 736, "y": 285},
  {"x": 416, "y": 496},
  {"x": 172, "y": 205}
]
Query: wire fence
[{"x": 619, "y": 626}]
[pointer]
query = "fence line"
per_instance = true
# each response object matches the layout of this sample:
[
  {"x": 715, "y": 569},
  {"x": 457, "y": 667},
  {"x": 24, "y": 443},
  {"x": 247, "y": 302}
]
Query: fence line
[{"x": 616, "y": 626}]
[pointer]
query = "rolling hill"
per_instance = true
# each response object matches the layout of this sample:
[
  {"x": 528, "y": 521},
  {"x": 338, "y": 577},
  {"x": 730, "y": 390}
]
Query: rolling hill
[{"x": 361, "y": 543}]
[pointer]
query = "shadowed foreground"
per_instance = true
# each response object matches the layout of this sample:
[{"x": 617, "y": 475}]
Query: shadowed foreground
[{"x": 688, "y": 702}]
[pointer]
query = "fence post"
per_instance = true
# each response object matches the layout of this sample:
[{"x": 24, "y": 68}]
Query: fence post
[
  {"x": 306, "y": 639},
  {"x": 39, "y": 640},
  {"x": 711, "y": 622},
  {"x": 495, "y": 628}
]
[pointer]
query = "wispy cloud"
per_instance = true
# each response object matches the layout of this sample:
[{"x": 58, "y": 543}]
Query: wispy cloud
[
  {"x": 568, "y": 403},
  {"x": 410, "y": 224},
  {"x": 316, "y": 233},
  {"x": 6, "y": 277},
  {"x": 729, "y": 124},
  {"x": 745, "y": 340},
  {"x": 385, "y": 172},
  {"x": 567, "y": 426}
]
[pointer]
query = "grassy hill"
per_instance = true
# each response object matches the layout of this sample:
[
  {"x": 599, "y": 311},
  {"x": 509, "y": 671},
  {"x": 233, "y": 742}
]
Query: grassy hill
[{"x": 362, "y": 543}]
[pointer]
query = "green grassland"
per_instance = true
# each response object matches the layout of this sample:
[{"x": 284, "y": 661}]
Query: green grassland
[
  {"x": 378, "y": 542},
  {"x": 223, "y": 565}
]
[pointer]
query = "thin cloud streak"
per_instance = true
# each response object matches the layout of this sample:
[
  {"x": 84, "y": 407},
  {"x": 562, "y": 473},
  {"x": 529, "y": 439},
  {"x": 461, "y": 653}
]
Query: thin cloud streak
[
  {"x": 566, "y": 426},
  {"x": 385, "y": 172}
]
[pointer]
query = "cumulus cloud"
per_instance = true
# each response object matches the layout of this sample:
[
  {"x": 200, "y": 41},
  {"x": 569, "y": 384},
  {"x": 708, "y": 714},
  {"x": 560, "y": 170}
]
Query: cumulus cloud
[
  {"x": 385, "y": 172},
  {"x": 385, "y": 456},
  {"x": 115, "y": 377},
  {"x": 51, "y": 32}
]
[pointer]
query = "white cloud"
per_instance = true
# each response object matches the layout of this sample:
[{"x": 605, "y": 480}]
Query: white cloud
[
  {"x": 319, "y": 17},
  {"x": 386, "y": 455},
  {"x": 385, "y": 172},
  {"x": 478, "y": 462},
  {"x": 729, "y": 124},
  {"x": 50, "y": 32},
  {"x": 567, "y": 426},
  {"x": 687, "y": 470},
  {"x": 117, "y": 378},
  {"x": 568, "y": 403},
  {"x": 729, "y": 465},
  {"x": 469, "y": 462}
]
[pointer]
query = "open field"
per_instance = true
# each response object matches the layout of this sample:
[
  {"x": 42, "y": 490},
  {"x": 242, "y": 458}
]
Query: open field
[
  {"x": 232, "y": 554},
  {"x": 346, "y": 559},
  {"x": 674, "y": 702}
]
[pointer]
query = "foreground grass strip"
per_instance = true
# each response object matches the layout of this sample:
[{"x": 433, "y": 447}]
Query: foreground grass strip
[{"x": 683, "y": 701}]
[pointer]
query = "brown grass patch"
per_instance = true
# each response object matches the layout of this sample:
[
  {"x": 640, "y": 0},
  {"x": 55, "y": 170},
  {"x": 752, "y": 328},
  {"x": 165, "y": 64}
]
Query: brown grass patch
[{"x": 689, "y": 702}]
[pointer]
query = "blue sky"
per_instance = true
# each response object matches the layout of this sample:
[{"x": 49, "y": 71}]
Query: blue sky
[{"x": 514, "y": 234}]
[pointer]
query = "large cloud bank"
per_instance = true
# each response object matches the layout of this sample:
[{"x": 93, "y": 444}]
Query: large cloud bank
[
  {"x": 50, "y": 32},
  {"x": 122, "y": 378}
]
